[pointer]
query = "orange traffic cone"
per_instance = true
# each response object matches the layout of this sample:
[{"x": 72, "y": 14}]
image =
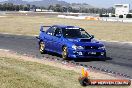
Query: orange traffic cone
[
  {"x": 84, "y": 80},
  {"x": 84, "y": 73}
]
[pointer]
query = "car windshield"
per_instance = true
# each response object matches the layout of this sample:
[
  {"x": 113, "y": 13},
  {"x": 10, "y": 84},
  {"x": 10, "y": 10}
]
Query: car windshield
[{"x": 75, "y": 33}]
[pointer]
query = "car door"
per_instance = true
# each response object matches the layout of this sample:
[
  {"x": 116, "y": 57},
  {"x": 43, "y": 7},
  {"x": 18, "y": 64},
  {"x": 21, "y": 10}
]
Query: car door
[
  {"x": 49, "y": 38},
  {"x": 57, "y": 40}
]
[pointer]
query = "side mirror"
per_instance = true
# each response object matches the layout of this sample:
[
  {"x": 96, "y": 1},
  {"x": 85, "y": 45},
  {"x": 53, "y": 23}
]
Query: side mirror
[
  {"x": 92, "y": 36},
  {"x": 58, "y": 35},
  {"x": 41, "y": 29}
]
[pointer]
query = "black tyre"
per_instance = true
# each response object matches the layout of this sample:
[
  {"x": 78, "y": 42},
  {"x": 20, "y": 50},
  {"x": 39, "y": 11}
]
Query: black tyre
[
  {"x": 64, "y": 53},
  {"x": 42, "y": 47}
]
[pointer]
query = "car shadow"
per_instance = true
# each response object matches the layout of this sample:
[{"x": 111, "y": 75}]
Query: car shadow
[
  {"x": 53, "y": 54},
  {"x": 91, "y": 59},
  {"x": 79, "y": 59}
]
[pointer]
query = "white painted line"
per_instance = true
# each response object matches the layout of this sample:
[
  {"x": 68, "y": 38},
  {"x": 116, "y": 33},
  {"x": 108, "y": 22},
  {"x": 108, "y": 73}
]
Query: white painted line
[
  {"x": 10, "y": 34},
  {"x": 3, "y": 16},
  {"x": 35, "y": 35},
  {"x": 116, "y": 42},
  {"x": 4, "y": 50},
  {"x": 16, "y": 34}
]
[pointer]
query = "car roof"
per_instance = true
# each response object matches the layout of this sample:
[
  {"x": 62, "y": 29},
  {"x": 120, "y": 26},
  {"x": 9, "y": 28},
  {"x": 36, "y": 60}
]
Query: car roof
[{"x": 65, "y": 26}]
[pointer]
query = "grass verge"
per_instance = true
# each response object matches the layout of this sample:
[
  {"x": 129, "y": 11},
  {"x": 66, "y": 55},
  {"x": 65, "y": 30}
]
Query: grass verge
[
  {"x": 20, "y": 74},
  {"x": 25, "y": 72},
  {"x": 29, "y": 25}
]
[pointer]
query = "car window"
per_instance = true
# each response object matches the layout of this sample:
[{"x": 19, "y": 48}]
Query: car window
[
  {"x": 51, "y": 31},
  {"x": 75, "y": 33},
  {"x": 57, "y": 31}
]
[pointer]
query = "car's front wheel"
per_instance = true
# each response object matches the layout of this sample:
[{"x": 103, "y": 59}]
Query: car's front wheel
[
  {"x": 42, "y": 47},
  {"x": 64, "y": 53}
]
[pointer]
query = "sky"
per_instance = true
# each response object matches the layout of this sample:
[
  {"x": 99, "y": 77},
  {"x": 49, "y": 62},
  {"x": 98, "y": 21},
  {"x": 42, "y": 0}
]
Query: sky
[{"x": 96, "y": 3}]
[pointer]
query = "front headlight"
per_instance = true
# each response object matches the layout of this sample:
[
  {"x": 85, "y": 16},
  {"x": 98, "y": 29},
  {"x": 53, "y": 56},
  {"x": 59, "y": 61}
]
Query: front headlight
[
  {"x": 77, "y": 47},
  {"x": 80, "y": 47},
  {"x": 74, "y": 47},
  {"x": 103, "y": 47}
]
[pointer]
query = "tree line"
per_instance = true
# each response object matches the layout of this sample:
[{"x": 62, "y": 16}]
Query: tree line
[
  {"x": 12, "y": 7},
  {"x": 59, "y": 8},
  {"x": 55, "y": 8}
]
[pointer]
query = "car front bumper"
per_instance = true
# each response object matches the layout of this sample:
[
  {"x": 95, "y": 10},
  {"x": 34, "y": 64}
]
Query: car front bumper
[{"x": 86, "y": 53}]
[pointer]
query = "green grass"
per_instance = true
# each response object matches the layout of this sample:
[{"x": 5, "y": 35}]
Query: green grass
[
  {"x": 20, "y": 74},
  {"x": 29, "y": 25},
  {"x": 16, "y": 73}
]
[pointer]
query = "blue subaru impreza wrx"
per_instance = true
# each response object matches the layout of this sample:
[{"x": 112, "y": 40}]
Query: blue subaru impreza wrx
[{"x": 70, "y": 42}]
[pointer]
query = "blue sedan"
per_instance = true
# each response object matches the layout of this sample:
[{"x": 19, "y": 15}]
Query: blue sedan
[{"x": 70, "y": 42}]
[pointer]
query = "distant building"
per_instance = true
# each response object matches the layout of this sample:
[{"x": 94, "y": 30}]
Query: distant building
[
  {"x": 122, "y": 9},
  {"x": 42, "y": 10},
  {"x": 38, "y": 10}
]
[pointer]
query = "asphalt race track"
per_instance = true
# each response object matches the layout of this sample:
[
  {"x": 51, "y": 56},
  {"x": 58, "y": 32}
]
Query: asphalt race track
[{"x": 119, "y": 54}]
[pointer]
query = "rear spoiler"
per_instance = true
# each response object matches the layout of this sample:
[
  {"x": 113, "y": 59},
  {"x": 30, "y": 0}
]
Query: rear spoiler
[{"x": 42, "y": 28}]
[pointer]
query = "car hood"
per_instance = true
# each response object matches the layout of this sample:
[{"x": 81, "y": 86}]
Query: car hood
[{"x": 85, "y": 42}]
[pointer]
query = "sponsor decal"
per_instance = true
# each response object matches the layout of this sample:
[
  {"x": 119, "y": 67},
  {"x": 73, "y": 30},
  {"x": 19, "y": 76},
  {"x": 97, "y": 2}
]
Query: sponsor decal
[{"x": 85, "y": 80}]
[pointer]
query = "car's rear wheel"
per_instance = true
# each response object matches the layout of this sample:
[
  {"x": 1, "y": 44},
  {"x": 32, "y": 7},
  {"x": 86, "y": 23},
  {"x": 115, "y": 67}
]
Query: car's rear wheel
[
  {"x": 42, "y": 47},
  {"x": 64, "y": 53}
]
